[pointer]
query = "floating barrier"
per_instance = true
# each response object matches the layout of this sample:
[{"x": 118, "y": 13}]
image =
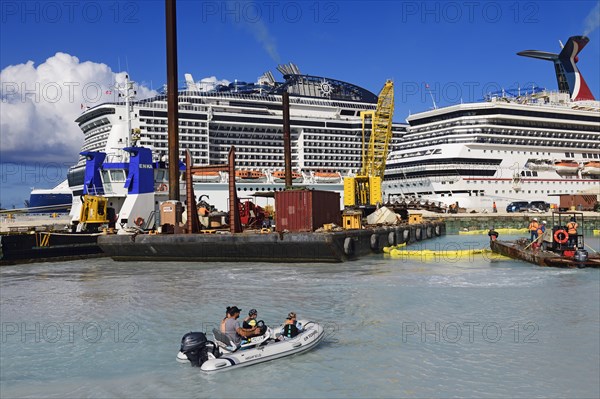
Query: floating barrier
[
  {"x": 460, "y": 254},
  {"x": 388, "y": 249},
  {"x": 500, "y": 231},
  {"x": 597, "y": 232}
]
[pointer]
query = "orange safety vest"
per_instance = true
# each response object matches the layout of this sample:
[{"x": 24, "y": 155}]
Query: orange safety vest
[
  {"x": 572, "y": 227},
  {"x": 533, "y": 226},
  {"x": 540, "y": 230}
]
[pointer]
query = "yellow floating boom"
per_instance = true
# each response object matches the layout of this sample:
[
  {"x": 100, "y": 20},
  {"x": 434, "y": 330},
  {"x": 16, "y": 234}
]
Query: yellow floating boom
[
  {"x": 506, "y": 231},
  {"x": 454, "y": 255}
]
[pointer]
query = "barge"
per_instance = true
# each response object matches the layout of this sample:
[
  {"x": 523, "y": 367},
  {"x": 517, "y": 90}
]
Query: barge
[
  {"x": 47, "y": 246},
  {"x": 290, "y": 247}
]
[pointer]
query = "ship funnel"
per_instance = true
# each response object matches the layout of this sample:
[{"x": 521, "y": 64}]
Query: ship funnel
[
  {"x": 189, "y": 81},
  {"x": 567, "y": 74}
]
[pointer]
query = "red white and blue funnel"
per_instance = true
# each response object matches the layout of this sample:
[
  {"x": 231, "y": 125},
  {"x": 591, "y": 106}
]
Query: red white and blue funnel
[{"x": 567, "y": 74}]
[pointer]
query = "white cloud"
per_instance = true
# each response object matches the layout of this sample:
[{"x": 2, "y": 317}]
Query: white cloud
[{"x": 39, "y": 106}]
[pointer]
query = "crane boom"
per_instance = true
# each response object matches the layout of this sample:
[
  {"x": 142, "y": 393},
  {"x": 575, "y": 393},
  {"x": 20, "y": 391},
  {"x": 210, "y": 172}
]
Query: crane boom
[
  {"x": 364, "y": 190},
  {"x": 381, "y": 134}
]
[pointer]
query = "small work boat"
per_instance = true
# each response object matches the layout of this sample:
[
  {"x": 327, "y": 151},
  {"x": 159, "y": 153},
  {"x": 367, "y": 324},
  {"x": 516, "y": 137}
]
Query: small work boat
[
  {"x": 556, "y": 249},
  {"x": 222, "y": 354}
]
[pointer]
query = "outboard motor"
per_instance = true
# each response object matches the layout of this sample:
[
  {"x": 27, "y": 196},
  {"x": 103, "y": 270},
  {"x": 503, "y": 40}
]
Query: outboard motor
[
  {"x": 581, "y": 255},
  {"x": 197, "y": 348}
]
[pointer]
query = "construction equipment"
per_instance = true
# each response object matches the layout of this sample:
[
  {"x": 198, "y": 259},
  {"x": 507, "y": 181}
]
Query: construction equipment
[
  {"x": 251, "y": 215},
  {"x": 93, "y": 213},
  {"x": 364, "y": 190}
]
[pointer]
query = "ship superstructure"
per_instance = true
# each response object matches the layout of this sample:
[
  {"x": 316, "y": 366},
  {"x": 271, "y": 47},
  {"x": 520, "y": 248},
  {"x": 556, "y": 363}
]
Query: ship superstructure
[{"x": 326, "y": 131}]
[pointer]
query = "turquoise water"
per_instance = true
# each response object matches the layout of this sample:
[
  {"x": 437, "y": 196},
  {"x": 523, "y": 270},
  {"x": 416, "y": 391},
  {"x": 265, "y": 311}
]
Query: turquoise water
[{"x": 472, "y": 327}]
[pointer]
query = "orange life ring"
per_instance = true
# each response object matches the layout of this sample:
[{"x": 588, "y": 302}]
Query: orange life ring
[
  {"x": 139, "y": 221},
  {"x": 162, "y": 187},
  {"x": 558, "y": 234}
]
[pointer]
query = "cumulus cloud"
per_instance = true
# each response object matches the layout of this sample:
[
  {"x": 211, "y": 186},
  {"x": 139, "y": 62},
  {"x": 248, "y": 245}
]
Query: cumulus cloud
[{"x": 39, "y": 106}]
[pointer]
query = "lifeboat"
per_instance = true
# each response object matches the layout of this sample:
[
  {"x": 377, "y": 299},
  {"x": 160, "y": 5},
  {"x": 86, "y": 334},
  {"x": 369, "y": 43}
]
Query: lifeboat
[
  {"x": 206, "y": 176},
  {"x": 279, "y": 176},
  {"x": 566, "y": 168},
  {"x": 327, "y": 177},
  {"x": 539, "y": 164},
  {"x": 591, "y": 168},
  {"x": 249, "y": 175}
]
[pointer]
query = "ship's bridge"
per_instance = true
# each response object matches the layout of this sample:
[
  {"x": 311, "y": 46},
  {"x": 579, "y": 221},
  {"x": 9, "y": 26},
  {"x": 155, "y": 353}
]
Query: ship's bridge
[{"x": 320, "y": 87}]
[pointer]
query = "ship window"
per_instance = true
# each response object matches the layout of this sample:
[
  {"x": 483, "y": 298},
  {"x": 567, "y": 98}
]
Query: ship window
[{"x": 117, "y": 175}]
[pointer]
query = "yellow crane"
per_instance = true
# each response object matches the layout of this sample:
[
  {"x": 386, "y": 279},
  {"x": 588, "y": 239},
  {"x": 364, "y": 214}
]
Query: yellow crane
[{"x": 364, "y": 190}]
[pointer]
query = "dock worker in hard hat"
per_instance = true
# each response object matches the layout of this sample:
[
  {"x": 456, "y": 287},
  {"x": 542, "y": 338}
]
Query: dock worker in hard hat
[
  {"x": 572, "y": 230},
  {"x": 533, "y": 229},
  {"x": 540, "y": 234}
]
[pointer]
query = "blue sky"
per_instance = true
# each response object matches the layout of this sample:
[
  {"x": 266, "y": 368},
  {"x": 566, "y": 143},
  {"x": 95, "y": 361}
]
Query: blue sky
[{"x": 461, "y": 49}]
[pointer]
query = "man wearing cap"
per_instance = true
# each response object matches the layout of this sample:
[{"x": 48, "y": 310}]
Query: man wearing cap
[
  {"x": 231, "y": 327},
  {"x": 533, "y": 229}
]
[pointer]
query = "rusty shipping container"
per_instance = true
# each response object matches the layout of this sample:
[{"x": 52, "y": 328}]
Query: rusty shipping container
[
  {"x": 578, "y": 202},
  {"x": 306, "y": 210}
]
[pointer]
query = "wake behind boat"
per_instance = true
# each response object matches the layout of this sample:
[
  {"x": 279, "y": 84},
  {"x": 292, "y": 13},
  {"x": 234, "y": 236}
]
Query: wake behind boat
[{"x": 223, "y": 354}]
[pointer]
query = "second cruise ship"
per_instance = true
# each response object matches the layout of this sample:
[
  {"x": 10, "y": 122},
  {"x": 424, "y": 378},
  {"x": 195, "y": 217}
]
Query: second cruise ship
[{"x": 527, "y": 147}]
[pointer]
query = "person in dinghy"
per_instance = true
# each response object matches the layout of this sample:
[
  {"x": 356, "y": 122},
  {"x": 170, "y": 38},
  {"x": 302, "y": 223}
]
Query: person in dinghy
[
  {"x": 250, "y": 321},
  {"x": 231, "y": 327},
  {"x": 291, "y": 327}
]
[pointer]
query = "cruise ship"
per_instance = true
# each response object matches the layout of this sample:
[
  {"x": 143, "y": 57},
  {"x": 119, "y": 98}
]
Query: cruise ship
[
  {"x": 520, "y": 147},
  {"x": 326, "y": 133},
  {"x": 57, "y": 199}
]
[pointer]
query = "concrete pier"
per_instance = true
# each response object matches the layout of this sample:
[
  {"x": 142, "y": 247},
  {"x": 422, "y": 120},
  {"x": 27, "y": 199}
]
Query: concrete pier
[{"x": 483, "y": 221}]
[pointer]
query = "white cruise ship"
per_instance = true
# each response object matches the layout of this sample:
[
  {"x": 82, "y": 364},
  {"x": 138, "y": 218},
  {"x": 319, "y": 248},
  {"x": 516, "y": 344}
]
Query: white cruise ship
[
  {"x": 524, "y": 147},
  {"x": 326, "y": 132}
]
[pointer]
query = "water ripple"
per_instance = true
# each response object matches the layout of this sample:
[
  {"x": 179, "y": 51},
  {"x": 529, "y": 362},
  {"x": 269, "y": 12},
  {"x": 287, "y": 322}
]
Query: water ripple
[{"x": 409, "y": 328}]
